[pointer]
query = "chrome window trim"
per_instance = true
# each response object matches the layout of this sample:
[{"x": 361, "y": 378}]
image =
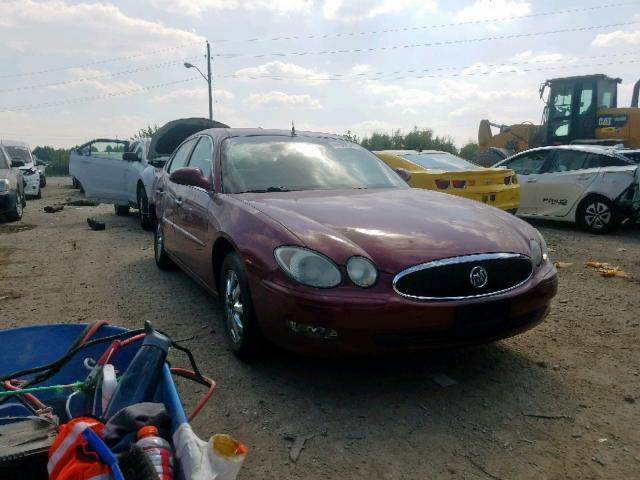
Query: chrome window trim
[{"x": 458, "y": 260}]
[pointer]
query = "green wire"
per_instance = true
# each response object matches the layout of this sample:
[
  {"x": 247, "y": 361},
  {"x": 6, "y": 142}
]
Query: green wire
[{"x": 57, "y": 388}]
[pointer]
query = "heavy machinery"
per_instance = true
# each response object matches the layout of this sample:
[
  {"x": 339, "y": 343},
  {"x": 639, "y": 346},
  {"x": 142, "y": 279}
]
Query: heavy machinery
[{"x": 580, "y": 109}]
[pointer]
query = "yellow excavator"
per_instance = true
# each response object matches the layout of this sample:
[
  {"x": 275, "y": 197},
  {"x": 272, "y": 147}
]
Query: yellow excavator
[{"x": 580, "y": 109}]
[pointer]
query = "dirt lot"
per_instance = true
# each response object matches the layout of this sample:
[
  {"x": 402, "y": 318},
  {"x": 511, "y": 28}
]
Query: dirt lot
[{"x": 560, "y": 401}]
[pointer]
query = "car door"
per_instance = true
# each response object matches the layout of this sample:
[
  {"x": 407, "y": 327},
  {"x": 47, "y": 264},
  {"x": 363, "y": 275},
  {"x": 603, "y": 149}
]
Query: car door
[
  {"x": 528, "y": 166},
  {"x": 192, "y": 214},
  {"x": 134, "y": 170},
  {"x": 563, "y": 181},
  {"x": 172, "y": 195},
  {"x": 99, "y": 167}
]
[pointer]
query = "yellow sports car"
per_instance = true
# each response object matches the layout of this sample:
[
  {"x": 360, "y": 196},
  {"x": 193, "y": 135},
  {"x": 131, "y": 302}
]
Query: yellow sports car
[{"x": 444, "y": 172}]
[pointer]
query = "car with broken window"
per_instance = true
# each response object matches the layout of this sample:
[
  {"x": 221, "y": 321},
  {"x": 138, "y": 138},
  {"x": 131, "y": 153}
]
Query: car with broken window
[
  {"x": 448, "y": 173},
  {"x": 20, "y": 153},
  {"x": 594, "y": 186},
  {"x": 12, "y": 197},
  {"x": 121, "y": 172},
  {"x": 313, "y": 243}
]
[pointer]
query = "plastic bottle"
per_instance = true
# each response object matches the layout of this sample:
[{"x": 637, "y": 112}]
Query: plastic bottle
[
  {"x": 140, "y": 380},
  {"x": 158, "y": 450}
]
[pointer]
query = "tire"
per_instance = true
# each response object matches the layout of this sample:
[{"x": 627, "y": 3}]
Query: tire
[
  {"x": 121, "y": 210},
  {"x": 43, "y": 181},
  {"x": 143, "y": 208},
  {"x": 15, "y": 215},
  {"x": 163, "y": 262},
  {"x": 597, "y": 214},
  {"x": 240, "y": 323}
]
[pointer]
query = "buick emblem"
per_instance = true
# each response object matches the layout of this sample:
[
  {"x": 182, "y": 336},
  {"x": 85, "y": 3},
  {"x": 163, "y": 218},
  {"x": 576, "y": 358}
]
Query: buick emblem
[{"x": 478, "y": 277}]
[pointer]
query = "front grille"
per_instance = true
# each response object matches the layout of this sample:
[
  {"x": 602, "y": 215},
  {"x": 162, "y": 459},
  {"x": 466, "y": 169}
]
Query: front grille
[{"x": 470, "y": 276}]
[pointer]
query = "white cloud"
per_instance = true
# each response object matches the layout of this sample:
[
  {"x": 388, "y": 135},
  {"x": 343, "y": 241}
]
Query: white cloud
[
  {"x": 616, "y": 38},
  {"x": 191, "y": 95},
  {"x": 493, "y": 9},
  {"x": 281, "y": 69},
  {"x": 198, "y": 7},
  {"x": 90, "y": 28},
  {"x": 275, "y": 98},
  {"x": 360, "y": 69},
  {"x": 530, "y": 57},
  {"x": 354, "y": 10}
]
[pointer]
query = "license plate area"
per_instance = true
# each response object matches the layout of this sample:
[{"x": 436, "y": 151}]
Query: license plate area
[{"x": 481, "y": 319}]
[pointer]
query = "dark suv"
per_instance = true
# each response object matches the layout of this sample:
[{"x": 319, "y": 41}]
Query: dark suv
[{"x": 12, "y": 198}]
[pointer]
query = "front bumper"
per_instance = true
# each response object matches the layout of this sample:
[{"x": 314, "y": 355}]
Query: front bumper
[{"x": 384, "y": 321}]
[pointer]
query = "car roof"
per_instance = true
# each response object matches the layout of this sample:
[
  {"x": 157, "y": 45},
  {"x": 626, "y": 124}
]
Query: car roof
[
  {"x": 14, "y": 143},
  {"x": 599, "y": 149},
  {"x": 263, "y": 132},
  {"x": 410, "y": 152}
]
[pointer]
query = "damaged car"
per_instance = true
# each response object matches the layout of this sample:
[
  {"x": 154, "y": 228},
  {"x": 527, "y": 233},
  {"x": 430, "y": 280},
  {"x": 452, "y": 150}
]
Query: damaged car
[
  {"x": 594, "y": 186},
  {"x": 313, "y": 243},
  {"x": 12, "y": 197},
  {"x": 121, "y": 172},
  {"x": 20, "y": 154}
]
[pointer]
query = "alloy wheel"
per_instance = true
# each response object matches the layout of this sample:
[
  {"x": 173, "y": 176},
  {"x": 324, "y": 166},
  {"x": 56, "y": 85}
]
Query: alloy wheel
[
  {"x": 234, "y": 307},
  {"x": 597, "y": 215}
]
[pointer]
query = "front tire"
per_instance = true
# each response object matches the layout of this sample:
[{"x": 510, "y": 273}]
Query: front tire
[
  {"x": 143, "y": 209},
  {"x": 597, "y": 214},
  {"x": 163, "y": 262},
  {"x": 243, "y": 333},
  {"x": 15, "y": 215}
]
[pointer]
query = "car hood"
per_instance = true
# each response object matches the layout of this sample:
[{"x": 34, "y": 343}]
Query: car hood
[
  {"x": 172, "y": 134},
  {"x": 395, "y": 227}
]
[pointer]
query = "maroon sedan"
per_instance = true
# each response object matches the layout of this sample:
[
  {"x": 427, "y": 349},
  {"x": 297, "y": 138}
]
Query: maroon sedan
[{"x": 315, "y": 244}]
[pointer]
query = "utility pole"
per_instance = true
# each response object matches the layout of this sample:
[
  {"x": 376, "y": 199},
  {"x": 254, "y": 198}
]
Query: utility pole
[{"x": 209, "y": 80}]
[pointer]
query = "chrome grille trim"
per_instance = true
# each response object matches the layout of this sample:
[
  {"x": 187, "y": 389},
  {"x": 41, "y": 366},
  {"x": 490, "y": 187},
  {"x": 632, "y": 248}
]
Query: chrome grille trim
[{"x": 459, "y": 260}]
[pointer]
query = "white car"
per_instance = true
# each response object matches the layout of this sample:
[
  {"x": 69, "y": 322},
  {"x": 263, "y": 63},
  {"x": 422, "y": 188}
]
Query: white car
[
  {"x": 21, "y": 153},
  {"x": 121, "y": 172},
  {"x": 591, "y": 185}
]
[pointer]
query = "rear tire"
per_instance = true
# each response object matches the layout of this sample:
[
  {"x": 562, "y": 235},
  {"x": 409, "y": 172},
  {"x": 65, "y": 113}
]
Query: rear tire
[
  {"x": 163, "y": 262},
  {"x": 121, "y": 210},
  {"x": 243, "y": 333},
  {"x": 597, "y": 214},
  {"x": 143, "y": 208}
]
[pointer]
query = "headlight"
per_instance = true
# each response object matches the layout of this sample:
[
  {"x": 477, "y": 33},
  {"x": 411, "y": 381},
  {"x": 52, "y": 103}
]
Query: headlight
[
  {"x": 539, "y": 252},
  {"x": 308, "y": 267},
  {"x": 362, "y": 271},
  {"x": 4, "y": 185}
]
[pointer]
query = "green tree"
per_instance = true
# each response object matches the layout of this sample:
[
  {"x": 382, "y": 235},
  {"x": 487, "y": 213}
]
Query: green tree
[
  {"x": 469, "y": 150},
  {"x": 416, "y": 139},
  {"x": 146, "y": 132}
]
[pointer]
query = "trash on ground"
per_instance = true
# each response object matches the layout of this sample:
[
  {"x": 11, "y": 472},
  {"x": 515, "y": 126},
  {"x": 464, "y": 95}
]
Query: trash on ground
[
  {"x": 53, "y": 208},
  {"x": 606, "y": 269},
  {"x": 562, "y": 264},
  {"x": 298, "y": 446},
  {"x": 444, "y": 380},
  {"x": 95, "y": 225}
]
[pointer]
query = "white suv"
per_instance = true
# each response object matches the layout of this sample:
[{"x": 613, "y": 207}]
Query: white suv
[
  {"x": 19, "y": 152},
  {"x": 591, "y": 185}
]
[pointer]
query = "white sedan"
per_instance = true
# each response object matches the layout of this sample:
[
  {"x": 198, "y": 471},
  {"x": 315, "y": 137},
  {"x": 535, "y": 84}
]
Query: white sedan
[
  {"x": 591, "y": 185},
  {"x": 20, "y": 154}
]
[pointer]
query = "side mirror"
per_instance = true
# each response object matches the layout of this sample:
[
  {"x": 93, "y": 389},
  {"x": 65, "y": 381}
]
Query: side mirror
[
  {"x": 130, "y": 157},
  {"x": 17, "y": 163},
  {"x": 191, "y": 177},
  {"x": 403, "y": 174}
]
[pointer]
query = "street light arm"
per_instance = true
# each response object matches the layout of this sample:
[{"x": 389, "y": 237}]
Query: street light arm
[{"x": 191, "y": 65}]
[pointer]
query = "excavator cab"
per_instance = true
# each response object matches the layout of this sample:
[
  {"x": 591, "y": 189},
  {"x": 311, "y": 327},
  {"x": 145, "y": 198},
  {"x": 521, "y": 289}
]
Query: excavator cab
[{"x": 572, "y": 106}]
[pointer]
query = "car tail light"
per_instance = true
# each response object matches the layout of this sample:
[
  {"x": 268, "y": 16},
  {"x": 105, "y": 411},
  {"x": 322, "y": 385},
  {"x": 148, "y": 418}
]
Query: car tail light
[
  {"x": 507, "y": 180},
  {"x": 514, "y": 179},
  {"x": 443, "y": 184},
  {"x": 459, "y": 183}
]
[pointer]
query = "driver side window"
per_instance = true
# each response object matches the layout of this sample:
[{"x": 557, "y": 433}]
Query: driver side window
[
  {"x": 181, "y": 156},
  {"x": 528, "y": 163}
]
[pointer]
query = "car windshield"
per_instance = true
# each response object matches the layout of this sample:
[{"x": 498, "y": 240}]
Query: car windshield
[
  {"x": 18, "y": 153},
  {"x": 440, "y": 161},
  {"x": 280, "y": 163}
]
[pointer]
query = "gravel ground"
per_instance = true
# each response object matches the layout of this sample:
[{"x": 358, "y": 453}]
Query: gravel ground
[{"x": 560, "y": 401}]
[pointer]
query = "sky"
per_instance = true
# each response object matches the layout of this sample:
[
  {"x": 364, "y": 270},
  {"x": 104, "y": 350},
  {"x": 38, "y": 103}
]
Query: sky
[{"x": 76, "y": 70}]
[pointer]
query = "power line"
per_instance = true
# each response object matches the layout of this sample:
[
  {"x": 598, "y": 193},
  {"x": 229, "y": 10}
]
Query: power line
[
  {"x": 430, "y": 44},
  {"x": 70, "y": 101},
  {"x": 99, "y": 76},
  {"x": 100, "y": 62},
  {"x": 379, "y": 74},
  {"x": 426, "y": 27}
]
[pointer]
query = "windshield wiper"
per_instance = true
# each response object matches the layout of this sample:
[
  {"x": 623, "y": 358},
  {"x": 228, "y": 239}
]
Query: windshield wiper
[{"x": 271, "y": 189}]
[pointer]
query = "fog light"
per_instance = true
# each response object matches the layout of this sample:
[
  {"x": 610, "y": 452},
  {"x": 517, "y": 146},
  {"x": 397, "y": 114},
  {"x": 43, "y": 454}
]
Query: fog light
[{"x": 312, "y": 330}]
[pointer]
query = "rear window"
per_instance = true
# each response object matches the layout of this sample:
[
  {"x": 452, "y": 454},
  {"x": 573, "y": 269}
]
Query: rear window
[{"x": 440, "y": 161}]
